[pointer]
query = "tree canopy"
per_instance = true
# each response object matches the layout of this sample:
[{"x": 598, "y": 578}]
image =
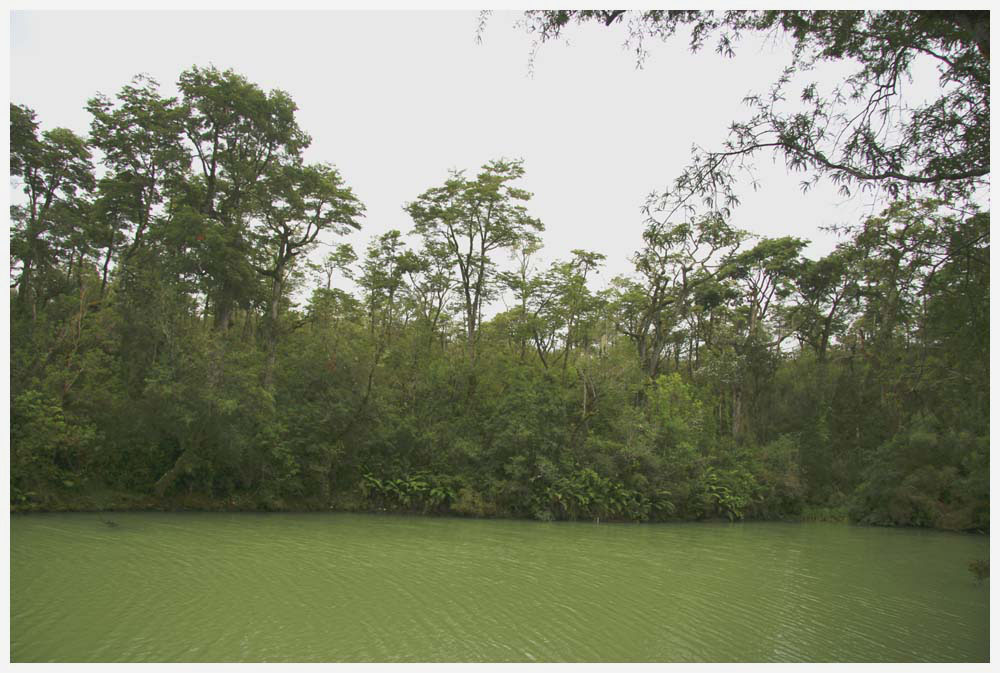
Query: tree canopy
[
  {"x": 189, "y": 328},
  {"x": 861, "y": 133}
]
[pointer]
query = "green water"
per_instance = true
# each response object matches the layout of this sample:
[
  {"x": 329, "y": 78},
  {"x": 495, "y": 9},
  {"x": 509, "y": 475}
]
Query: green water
[{"x": 337, "y": 587}]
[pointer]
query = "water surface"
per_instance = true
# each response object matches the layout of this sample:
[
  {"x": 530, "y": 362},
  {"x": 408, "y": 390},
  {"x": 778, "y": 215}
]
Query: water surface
[{"x": 339, "y": 587}]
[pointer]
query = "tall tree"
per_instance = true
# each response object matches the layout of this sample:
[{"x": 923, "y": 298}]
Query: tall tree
[
  {"x": 675, "y": 263},
  {"x": 339, "y": 259},
  {"x": 765, "y": 275},
  {"x": 471, "y": 219},
  {"x": 826, "y": 289},
  {"x": 140, "y": 136},
  {"x": 239, "y": 135},
  {"x": 382, "y": 280},
  {"x": 528, "y": 288},
  {"x": 568, "y": 280},
  {"x": 297, "y": 204},
  {"x": 56, "y": 173},
  {"x": 431, "y": 280}
]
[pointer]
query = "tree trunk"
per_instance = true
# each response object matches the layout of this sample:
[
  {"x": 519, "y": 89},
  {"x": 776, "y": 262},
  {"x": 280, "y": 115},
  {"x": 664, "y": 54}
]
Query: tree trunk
[
  {"x": 224, "y": 301},
  {"x": 107, "y": 263},
  {"x": 24, "y": 288},
  {"x": 737, "y": 411},
  {"x": 181, "y": 466},
  {"x": 272, "y": 328}
]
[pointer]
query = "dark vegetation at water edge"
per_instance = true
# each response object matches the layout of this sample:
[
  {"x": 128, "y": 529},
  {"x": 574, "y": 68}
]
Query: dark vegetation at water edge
[{"x": 172, "y": 341}]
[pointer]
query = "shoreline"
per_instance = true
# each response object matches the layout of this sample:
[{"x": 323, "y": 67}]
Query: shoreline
[{"x": 132, "y": 503}]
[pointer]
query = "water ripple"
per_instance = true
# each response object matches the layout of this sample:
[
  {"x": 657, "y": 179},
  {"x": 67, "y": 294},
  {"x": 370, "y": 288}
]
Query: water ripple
[{"x": 220, "y": 587}]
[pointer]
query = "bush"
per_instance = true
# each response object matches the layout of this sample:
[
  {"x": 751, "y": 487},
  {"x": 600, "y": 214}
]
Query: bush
[
  {"x": 928, "y": 478},
  {"x": 778, "y": 472},
  {"x": 471, "y": 503},
  {"x": 46, "y": 449}
]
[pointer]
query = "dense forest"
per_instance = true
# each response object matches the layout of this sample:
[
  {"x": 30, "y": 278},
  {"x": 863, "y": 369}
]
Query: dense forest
[{"x": 180, "y": 339}]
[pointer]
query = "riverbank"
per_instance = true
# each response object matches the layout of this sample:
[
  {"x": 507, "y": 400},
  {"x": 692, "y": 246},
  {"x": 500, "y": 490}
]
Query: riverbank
[{"x": 121, "y": 501}]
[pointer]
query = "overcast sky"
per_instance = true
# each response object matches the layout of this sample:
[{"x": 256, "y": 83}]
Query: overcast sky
[{"x": 395, "y": 99}]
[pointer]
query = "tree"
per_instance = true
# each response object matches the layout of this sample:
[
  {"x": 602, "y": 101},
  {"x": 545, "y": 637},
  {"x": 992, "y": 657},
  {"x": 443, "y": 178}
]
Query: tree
[
  {"x": 431, "y": 284},
  {"x": 767, "y": 272},
  {"x": 862, "y": 133},
  {"x": 385, "y": 265},
  {"x": 140, "y": 138},
  {"x": 56, "y": 173},
  {"x": 570, "y": 283},
  {"x": 239, "y": 134},
  {"x": 525, "y": 284},
  {"x": 915, "y": 257},
  {"x": 471, "y": 219},
  {"x": 697, "y": 404},
  {"x": 766, "y": 275},
  {"x": 297, "y": 204},
  {"x": 676, "y": 262},
  {"x": 340, "y": 259},
  {"x": 826, "y": 288}
]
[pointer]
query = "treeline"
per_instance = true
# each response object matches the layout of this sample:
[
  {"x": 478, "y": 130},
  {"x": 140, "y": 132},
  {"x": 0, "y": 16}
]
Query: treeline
[{"x": 159, "y": 357}]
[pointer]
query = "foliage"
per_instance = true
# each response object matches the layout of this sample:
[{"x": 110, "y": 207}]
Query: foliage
[
  {"x": 47, "y": 449},
  {"x": 166, "y": 343},
  {"x": 469, "y": 219},
  {"x": 925, "y": 477},
  {"x": 586, "y": 495},
  {"x": 862, "y": 132}
]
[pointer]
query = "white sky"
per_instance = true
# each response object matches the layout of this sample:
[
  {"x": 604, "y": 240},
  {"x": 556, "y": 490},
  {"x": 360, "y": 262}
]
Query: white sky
[{"x": 395, "y": 99}]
